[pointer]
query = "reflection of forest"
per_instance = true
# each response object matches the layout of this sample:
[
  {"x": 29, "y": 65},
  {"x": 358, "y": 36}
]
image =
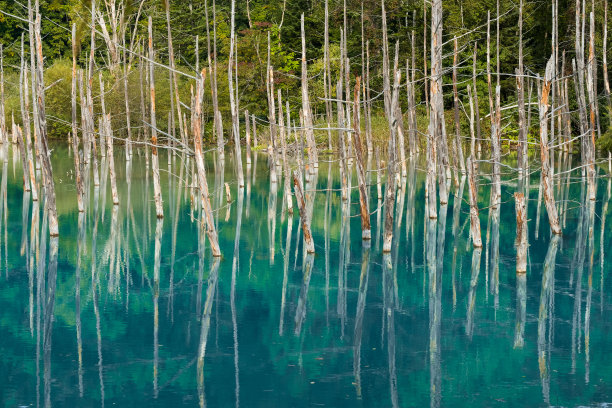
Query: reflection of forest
[{"x": 122, "y": 299}]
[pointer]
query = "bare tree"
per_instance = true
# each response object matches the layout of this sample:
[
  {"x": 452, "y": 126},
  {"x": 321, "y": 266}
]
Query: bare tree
[
  {"x": 211, "y": 231},
  {"x": 549, "y": 198},
  {"x": 159, "y": 208},
  {"x": 233, "y": 101},
  {"x": 42, "y": 132},
  {"x": 366, "y": 232},
  {"x": 308, "y": 123}
]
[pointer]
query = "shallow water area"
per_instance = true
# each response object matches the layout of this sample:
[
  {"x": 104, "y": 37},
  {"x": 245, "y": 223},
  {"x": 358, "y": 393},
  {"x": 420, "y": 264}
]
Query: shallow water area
[{"x": 127, "y": 309}]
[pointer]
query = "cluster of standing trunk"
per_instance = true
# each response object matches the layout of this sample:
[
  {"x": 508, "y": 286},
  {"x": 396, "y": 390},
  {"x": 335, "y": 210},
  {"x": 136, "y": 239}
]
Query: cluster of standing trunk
[{"x": 287, "y": 141}]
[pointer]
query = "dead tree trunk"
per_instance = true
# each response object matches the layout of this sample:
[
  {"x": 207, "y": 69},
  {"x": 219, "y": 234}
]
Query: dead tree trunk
[
  {"x": 368, "y": 103},
  {"x": 489, "y": 85},
  {"x": 410, "y": 90},
  {"x": 363, "y": 73},
  {"x": 458, "y": 144},
  {"x": 25, "y": 115},
  {"x": 283, "y": 139},
  {"x": 327, "y": 86},
  {"x": 211, "y": 231},
  {"x": 390, "y": 101},
  {"x": 472, "y": 131},
  {"x": 475, "y": 96},
  {"x": 343, "y": 154},
  {"x": 177, "y": 102},
  {"x": 157, "y": 194},
  {"x": 605, "y": 62},
  {"x": 288, "y": 121},
  {"x": 521, "y": 233},
  {"x": 75, "y": 132},
  {"x": 347, "y": 75},
  {"x": 247, "y": 124},
  {"x": 101, "y": 133},
  {"x": 366, "y": 229},
  {"x": 254, "y": 128},
  {"x": 301, "y": 203},
  {"x": 87, "y": 128},
  {"x": 34, "y": 86},
  {"x": 437, "y": 121},
  {"x": 116, "y": 19},
  {"x": 92, "y": 49},
  {"x": 399, "y": 121},
  {"x": 126, "y": 96},
  {"x": 496, "y": 151},
  {"x": 89, "y": 116},
  {"x": 567, "y": 118},
  {"x": 589, "y": 144},
  {"x": 391, "y": 172},
  {"x": 18, "y": 136},
  {"x": 529, "y": 110},
  {"x": 143, "y": 110},
  {"x": 425, "y": 70},
  {"x": 579, "y": 71},
  {"x": 430, "y": 187},
  {"x": 13, "y": 129},
  {"x": 212, "y": 67},
  {"x": 344, "y": 169},
  {"x": 497, "y": 60},
  {"x": 42, "y": 132},
  {"x": 271, "y": 114},
  {"x": 549, "y": 198},
  {"x": 474, "y": 219},
  {"x": 308, "y": 124},
  {"x": 233, "y": 102},
  {"x": 3, "y": 134},
  {"x": 553, "y": 91},
  {"x": 272, "y": 119},
  {"x": 520, "y": 86},
  {"x": 108, "y": 133}
]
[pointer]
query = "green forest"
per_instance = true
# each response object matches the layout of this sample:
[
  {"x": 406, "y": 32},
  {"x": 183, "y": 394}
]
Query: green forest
[{"x": 291, "y": 203}]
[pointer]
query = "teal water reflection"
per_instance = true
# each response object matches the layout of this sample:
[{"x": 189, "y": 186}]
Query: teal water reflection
[{"x": 124, "y": 309}]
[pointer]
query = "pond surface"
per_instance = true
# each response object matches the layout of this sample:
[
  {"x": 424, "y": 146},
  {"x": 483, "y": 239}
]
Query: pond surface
[{"x": 92, "y": 319}]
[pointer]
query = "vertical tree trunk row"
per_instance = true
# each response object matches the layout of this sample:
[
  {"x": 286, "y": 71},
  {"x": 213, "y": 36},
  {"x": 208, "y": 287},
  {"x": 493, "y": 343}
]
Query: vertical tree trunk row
[
  {"x": 3, "y": 134},
  {"x": 474, "y": 218},
  {"x": 520, "y": 86},
  {"x": 589, "y": 143},
  {"x": 42, "y": 132},
  {"x": 437, "y": 122},
  {"x": 211, "y": 231},
  {"x": 458, "y": 145},
  {"x": 25, "y": 115},
  {"x": 366, "y": 229},
  {"x": 157, "y": 194},
  {"x": 301, "y": 203},
  {"x": 549, "y": 198},
  {"x": 75, "y": 135},
  {"x": 521, "y": 233},
  {"x": 233, "y": 101},
  {"x": 283, "y": 138},
  {"x": 308, "y": 122}
]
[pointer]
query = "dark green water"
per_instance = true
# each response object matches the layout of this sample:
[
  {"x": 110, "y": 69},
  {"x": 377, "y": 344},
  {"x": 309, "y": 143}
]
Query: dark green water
[{"x": 433, "y": 323}]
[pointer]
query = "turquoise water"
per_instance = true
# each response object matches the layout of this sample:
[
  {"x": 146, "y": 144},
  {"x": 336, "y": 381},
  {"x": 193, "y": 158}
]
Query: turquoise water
[{"x": 91, "y": 319}]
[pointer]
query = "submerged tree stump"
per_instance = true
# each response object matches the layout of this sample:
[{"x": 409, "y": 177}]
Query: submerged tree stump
[
  {"x": 301, "y": 203},
  {"x": 549, "y": 198}
]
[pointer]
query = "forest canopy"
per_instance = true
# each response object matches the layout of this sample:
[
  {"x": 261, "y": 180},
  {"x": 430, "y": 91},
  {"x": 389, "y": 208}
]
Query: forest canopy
[{"x": 255, "y": 19}]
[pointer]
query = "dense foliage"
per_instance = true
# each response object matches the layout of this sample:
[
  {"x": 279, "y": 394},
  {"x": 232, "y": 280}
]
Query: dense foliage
[{"x": 256, "y": 18}]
